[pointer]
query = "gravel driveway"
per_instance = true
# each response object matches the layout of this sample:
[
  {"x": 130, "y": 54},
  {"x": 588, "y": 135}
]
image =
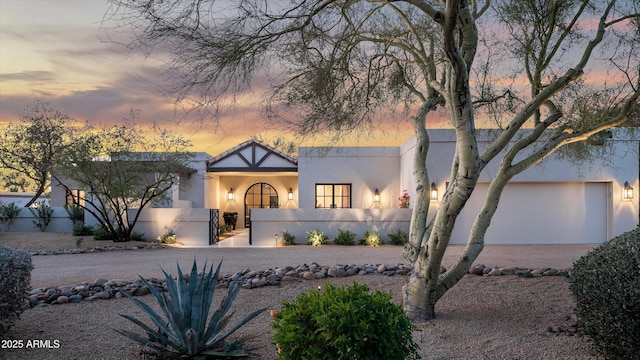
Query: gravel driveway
[{"x": 57, "y": 270}]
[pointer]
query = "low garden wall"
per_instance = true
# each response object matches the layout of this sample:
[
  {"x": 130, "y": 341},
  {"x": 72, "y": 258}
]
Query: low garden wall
[
  {"x": 267, "y": 223},
  {"x": 190, "y": 225},
  {"x": 60, "y": 221}
]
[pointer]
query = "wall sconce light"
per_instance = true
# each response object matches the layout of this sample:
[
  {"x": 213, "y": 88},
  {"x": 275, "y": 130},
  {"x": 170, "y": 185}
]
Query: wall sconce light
[
  {"x": 230, "y": 194},
  {"x": 627, "y": 192},
  {"x": 290, "y": 195},
  {"x": 376, "y": 195},
  {"x": 433, "y": 193}
]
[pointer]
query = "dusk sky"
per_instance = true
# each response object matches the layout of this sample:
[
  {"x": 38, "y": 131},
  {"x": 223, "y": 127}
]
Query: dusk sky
[{"x": 56, "y": 50}]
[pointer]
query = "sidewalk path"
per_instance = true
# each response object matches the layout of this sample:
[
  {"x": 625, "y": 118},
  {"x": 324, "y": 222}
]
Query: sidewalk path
[{"x": 58, "y": 270}]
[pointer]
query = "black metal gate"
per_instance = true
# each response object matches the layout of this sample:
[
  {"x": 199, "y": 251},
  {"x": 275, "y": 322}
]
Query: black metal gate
[{"x": 214, "y": 226}]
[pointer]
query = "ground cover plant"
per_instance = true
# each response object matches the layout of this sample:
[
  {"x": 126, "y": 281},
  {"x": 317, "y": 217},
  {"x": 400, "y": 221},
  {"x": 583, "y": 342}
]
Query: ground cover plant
[
  {"x": 370, "y": 238},
  {"x": 399, "y": 237},
  {"x": 288, "y": 238}
]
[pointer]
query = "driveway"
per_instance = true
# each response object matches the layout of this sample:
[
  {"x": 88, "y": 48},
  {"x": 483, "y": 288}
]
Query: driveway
[{"x": 55, "y": 270}]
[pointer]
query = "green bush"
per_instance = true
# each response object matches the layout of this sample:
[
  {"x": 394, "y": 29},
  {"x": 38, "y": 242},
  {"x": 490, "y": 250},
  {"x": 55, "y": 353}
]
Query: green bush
[
  {"x": 81, "y": 229},
  {"x": 15, "y": 275},
  {"x": 606, "y": 286},
  {"x": 345, "y": 237},
  {"x": 185, "y": 334},
  {"x": 370, "y": 238},
  {"x": 75, "y": 212},
  {"x": 43, "y": 214},
  {"x": 316, "y": 237},
  {"x": 136, "y": 236},
  {"x": 399, "y": 237},
  {"x": 168, "y": 237},
  {"x": 8, "y": 215},
  {"x": 343, "y": 323},
  {"x": 288, "y": 239},
  {"x": 102, "y": 234}
]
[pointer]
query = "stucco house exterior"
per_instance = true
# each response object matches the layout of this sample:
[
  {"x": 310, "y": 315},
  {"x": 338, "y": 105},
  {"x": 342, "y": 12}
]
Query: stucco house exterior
[{"x": 357, "y": 189}]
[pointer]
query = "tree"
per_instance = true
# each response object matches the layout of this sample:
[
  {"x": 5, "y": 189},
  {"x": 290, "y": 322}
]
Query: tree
[
  {"x": 122, "y": 168},
  {"x": 342, "y": 63},
  {"x": 30, "y": 149}
]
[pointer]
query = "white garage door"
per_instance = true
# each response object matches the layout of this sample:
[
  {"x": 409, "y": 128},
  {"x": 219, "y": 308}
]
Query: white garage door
[{"x": 541, "y": 213}]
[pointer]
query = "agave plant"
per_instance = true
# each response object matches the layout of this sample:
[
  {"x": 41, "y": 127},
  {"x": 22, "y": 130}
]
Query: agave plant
[{"x": 185, "y": 332}]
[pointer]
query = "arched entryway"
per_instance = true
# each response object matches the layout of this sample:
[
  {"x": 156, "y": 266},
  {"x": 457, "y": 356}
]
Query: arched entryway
[{"x": 261, "y": 196}]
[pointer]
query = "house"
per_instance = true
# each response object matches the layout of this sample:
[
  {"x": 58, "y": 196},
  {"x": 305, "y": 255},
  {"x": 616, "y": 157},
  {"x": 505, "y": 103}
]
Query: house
[{"x": 357, "y": 189}]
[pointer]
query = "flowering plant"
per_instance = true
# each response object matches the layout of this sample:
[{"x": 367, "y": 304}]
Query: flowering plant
[{"x": 404, "y": 200}]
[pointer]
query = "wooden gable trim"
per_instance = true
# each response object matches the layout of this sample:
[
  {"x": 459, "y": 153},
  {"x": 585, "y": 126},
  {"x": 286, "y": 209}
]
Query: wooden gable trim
[{"x": 254, "y": 164}]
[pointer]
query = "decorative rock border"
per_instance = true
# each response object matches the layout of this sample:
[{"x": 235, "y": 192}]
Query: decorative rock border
[{"x": 109, "y": 289}]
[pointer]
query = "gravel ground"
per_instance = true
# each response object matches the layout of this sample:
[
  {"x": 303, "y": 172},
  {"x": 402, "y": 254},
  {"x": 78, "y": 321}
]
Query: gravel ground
[{"x": 503, "y": 317}]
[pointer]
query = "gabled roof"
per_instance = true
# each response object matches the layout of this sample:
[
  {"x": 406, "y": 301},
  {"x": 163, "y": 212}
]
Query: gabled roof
[{"x": 253, "y": 156}]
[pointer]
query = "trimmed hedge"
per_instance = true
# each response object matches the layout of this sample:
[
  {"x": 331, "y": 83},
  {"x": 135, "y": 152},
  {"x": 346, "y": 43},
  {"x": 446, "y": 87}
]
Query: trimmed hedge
[
  {"x": 606, "y": 286},
  {"x": 15, "y": 278}
]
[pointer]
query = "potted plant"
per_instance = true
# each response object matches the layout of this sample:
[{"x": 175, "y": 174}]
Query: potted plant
[{"x": 230, "y": 219}]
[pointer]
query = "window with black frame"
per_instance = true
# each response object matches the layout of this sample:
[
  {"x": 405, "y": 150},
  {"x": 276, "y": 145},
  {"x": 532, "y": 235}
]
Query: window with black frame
[{"x": 333, "y": 196}]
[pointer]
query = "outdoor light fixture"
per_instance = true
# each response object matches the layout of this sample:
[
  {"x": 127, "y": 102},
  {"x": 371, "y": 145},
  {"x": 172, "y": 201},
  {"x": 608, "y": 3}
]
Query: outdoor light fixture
[
  {"x": 433, "y": 194},
  {"x": 230, "y": 194},
  {"x": 290, "y": 195},
  {"x": 376, "y": 196},
  {"x": 627, "y": 191}
]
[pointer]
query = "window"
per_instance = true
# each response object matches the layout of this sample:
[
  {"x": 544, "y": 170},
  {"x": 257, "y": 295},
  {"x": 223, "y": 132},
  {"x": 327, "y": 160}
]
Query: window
[
  {"x": 333, "y": 196},
  {"x": 75, "y": 197}
]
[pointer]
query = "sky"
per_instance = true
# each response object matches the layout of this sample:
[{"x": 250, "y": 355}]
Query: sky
[{"x": 56, "y": 50}]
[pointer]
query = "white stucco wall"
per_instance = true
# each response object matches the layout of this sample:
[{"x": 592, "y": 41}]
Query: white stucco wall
[
  {"x": 266, "y": 223},
  {"x": 620, "y": 166},
  {"x": 365, "y": 168}
]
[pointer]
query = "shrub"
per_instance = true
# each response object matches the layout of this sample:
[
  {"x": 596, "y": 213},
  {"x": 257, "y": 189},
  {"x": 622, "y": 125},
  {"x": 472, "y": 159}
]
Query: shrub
[
  {"x": 102, "y": 234},
  {"x": 343, "y": 323},
  {"x": 288, "y": 239},
  {"x": 606, "y": 286},
  {"x": 168, "y": 237},
  {"x": 81, "y": 229},
  {"x": 75, "y": 212},
  {"x": 187, "y": 305},
  {"x": 345, "y": 237},
  {"x": 136, "y": 236},
  {"x": 370, "y": 238},
  {"x": 8, "y": 215},
  {"x": 43, "y": 214},
  {"x": 399, "y": 237},
  {"x": 15, "y": 275},
  {"x": 316, "y": 237}
]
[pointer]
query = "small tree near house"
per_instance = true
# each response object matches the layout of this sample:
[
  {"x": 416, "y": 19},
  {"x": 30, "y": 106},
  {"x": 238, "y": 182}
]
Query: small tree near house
[{"x": 122, "y": 168}]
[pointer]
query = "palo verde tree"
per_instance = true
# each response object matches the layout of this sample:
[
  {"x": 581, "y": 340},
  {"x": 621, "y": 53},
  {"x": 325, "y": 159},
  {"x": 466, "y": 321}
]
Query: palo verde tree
[
  {"x": 339, "y": 64},
  {"x": 30, "y": 149},
  {"x": 123, "y": 168}
]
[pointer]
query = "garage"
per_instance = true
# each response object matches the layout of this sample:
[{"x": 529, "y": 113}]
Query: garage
[{"x": 542, "y": 213}]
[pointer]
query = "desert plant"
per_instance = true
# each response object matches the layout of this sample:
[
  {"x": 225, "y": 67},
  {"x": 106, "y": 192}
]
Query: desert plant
[
  {"x": 15, "y": 275},
  {"x": 102, "y": 234},
  {"x": 606, "y": 286},
  {"x": 398, "y": 237},
  {"x": 288, "y": 238},
  {"x": 344, "y": 237},
  {"x": 316, "y": 237},
  {"x": 136, "y": 236},
  {"x": 169, "y": 237},
  {"x": 43, "y": 214},
  {"x": 75, "y": 212},
  {"x": 370, "y": 238},
  {"x": 82, "y": 229},
  {"x": 343, "y": 323},
  {"x": 187, "y": 305},
  {"x": 8, "y": 215}
]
